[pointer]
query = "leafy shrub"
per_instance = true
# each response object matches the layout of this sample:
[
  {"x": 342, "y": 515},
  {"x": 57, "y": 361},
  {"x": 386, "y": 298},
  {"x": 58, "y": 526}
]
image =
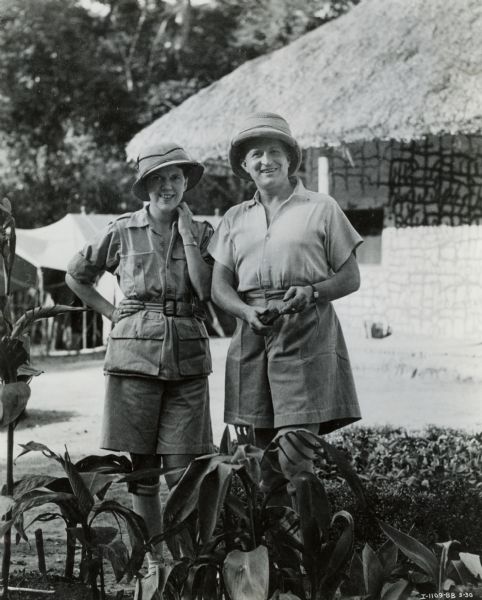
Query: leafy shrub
[
  {"x": 422, "y": 460},
  {"x": 447, "y": 511}
]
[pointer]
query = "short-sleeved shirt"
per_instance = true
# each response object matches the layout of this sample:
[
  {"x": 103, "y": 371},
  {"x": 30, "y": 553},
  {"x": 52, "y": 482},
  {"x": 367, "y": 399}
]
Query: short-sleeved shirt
[
  {"x": 150, "y": 269},
  {"x": 308, "y": 238},
  {"x": 300, "y": 372}
]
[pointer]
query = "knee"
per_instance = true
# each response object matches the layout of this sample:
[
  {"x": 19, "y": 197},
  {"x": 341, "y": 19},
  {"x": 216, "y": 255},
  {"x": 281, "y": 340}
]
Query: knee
[
  {"x": 141, "y": 462},
  {"x": 178, "y": 464}
]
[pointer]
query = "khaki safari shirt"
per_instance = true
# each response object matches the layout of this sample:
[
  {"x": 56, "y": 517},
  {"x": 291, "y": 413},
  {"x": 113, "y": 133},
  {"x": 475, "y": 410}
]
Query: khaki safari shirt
[
  {"x": 308, "y": 238},
  {"x": 149, "y": 343}
]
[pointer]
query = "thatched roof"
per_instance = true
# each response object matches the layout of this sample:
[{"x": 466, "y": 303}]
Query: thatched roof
[{"x": 388, "y": 69}]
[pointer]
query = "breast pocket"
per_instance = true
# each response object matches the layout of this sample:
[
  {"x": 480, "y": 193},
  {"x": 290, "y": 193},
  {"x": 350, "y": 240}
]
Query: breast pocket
[
  {"x": 194, "y": 357},
  {"x": 134, "y": 272}
]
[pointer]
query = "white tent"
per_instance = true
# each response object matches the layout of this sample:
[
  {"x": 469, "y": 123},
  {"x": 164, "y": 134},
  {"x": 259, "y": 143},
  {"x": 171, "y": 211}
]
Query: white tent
[{"x": 52, "y": 246}]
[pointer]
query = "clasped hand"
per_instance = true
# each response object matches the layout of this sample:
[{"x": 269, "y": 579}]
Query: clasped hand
[{"x": 295, "y": 300}]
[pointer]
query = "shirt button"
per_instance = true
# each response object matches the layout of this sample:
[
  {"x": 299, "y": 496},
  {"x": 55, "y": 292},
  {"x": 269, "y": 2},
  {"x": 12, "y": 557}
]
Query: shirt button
[{"x": 267, "y": 236}]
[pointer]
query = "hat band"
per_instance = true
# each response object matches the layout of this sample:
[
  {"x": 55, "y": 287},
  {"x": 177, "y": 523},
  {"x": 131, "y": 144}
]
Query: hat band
[
  {"x": 156, "y": 155},
  {"x": 285, "y": 132}
]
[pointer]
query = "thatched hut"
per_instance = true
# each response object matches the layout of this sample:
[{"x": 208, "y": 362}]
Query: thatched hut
[{"x": 387, "y": 103}]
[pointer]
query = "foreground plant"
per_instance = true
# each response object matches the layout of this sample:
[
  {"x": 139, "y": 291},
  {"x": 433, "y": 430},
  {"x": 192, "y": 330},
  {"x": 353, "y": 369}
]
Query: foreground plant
[
  {"x": 378, "y": 574},
  {"x": 246, "y": 548},
  {"x": 15, "y": 371},
  {"x": 75, "y": 495}
]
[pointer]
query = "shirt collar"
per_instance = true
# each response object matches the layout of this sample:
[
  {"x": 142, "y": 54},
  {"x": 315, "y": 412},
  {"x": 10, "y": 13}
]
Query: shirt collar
[
  {"x": 298, "y": 192},
  {"x": 142, "y": 218},
  {"x": 139, "y": 218}
]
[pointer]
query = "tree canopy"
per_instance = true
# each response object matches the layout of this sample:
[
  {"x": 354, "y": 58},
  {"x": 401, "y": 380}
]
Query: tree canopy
[{"x": 78, "y": 79}]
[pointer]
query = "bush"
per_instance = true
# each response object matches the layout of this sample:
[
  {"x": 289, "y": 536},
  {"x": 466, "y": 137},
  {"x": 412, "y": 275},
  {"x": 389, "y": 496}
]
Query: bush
[
  {"x": 446, "y": 512},
  {"x": 427, "y": 482}
]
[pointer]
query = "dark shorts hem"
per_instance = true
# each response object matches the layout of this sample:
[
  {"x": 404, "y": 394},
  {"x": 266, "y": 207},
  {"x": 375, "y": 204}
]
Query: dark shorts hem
[
  {"x": 327, "y": 423},
  {"x": 196, "y": 450}
]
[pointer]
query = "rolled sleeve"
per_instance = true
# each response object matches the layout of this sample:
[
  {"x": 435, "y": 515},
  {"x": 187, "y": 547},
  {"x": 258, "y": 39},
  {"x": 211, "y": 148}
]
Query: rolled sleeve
[
  {"x": 102, "y": 254},
  {"x": 341, "y": 237},
  {"x": 221, "y": 246}
]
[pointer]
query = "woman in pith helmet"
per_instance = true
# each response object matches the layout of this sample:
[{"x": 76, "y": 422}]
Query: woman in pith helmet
[
  {"x": 157, "y": 359},
  {"x": 288, "y": 251}
]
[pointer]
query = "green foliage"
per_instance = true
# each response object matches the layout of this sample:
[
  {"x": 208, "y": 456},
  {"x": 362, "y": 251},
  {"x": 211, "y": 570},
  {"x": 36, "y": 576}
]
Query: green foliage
[
  {"x": 80, "y": 499},
  {"x": 76, "y": 85},
  {"x": 449, "y": 510},
  {"x": 240, "y": 538},
  {"x": 420, "y": 460}
]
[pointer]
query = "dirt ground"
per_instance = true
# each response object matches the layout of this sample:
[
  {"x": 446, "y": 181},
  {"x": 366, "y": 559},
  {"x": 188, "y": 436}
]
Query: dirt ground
[{"x": 404, "y": 382}]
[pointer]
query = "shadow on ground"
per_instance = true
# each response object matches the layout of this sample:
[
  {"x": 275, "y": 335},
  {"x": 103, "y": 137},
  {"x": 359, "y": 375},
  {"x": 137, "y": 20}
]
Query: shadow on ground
[{"x": 37, "y": 418}]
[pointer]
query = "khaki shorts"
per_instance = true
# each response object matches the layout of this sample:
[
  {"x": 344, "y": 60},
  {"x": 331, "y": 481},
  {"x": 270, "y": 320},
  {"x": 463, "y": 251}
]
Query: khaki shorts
[
  {"x": 154, "y": 416},
  {"x": 298, "y": 374}
]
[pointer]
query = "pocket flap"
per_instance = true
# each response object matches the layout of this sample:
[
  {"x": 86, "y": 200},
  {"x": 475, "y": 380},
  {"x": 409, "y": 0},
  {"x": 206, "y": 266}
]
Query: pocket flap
[
  {"x": 189, "y": 329},
  {"x": 140, "y": 328}
]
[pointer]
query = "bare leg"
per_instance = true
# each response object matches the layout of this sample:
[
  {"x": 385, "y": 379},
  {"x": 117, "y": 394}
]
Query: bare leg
[{"x": 146, "y": 502}]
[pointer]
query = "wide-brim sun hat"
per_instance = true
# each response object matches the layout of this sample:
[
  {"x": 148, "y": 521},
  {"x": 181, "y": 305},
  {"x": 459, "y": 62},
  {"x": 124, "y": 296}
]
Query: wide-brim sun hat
[
  {"x": 262, "y": 125},
  {"x": 159, "y": 156}
]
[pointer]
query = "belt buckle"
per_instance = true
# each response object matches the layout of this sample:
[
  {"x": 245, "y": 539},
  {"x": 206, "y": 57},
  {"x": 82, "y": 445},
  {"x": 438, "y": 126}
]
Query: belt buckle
[{"x": 169, "y": 308}]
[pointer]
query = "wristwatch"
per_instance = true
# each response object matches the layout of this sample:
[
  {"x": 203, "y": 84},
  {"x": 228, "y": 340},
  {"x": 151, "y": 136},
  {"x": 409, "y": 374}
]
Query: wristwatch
[{"x": 316, "y": 293}]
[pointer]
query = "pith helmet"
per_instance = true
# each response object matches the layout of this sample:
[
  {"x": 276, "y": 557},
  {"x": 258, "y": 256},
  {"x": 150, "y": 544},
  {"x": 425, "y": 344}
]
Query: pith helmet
[
  {"x": 157, "y": 157},
  {"x": 266, "y": 125}
]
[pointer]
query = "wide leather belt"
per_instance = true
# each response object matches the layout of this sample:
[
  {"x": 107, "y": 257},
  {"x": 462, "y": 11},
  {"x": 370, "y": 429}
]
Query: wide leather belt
[{"x": 173, "y": 308}]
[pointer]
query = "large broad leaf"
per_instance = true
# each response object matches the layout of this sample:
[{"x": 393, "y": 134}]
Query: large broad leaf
[
  {"x": 34, "y": 314},
  {"x": 398, "y": 590},
  {"x": 193, "y": 583},
  {"x": 246, "y": 574},
  {"x": 151, "y": 587},
  {"x": 460, "y": 571},
  {"x": 6, "y": 503},
  {"x": 388, "y": 555},
  {"x": 414, "y": 550},
  {"x": 13, "y": 398},
  {"x": 444, "y": 560},
  {"x": 212, "y": 494},
  {"x": 31, "y": 482},
  {"x": 373, "y": 572},
  {"x": 472, "y": 562},
  {"x": 312, "y": 501},
  {"x": 136, "y": 529},
  {"x": 81, "y": 491},
  {"x": 343, "y": 551},
  {"x": 226, "y": 446},
  {"x": 105, "y": 463},
  {"x": 37, "y": 447},
  {"x": 284, "y": 596},
  {"x": 12, "y": 355},
  {"x": 250, "y": 457},
  {"x": 184, "y": 497},
  {"x": 354, "y": 584},
  {"x": 98, "y": 483}
]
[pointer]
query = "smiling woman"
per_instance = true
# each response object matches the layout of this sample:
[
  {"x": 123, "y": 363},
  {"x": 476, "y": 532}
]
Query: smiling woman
[{"x": 157, "y": 359}]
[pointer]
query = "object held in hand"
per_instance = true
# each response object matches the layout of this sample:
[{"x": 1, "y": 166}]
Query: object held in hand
[{"x": 269, "y": 316}]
